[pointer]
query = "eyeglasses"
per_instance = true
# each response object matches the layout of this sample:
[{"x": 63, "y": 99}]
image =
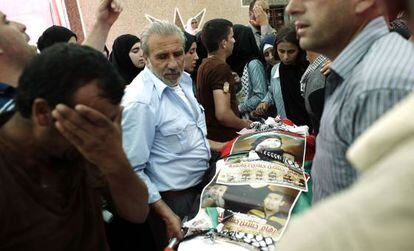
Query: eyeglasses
[{"x": 194, "y": 22}]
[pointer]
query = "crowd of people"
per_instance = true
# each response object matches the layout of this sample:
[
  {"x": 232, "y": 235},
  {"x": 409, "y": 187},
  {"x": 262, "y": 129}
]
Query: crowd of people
[{"x": 136, "y": 132}]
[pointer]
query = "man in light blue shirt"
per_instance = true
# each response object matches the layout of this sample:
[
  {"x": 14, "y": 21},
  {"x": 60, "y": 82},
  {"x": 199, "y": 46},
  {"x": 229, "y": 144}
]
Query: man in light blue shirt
[{"x": 164, "y": 130}]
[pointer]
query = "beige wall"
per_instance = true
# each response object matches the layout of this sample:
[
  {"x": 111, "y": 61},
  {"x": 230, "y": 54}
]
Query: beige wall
[{"x": 132, "y": 19}]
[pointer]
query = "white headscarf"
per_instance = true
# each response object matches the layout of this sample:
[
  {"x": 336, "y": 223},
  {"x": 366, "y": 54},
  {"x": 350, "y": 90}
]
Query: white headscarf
[{"x": 189, "y": 28}]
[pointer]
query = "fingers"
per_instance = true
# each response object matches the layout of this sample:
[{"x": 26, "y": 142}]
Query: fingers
[
  {"x": 253, "y": 22},
  {"x": 92, "y": 115},
  {"x": 68, "y": 134},
  {"x": 70, "y": 121},
  {"x": 325, "y": 70},
  {"x": 174, "y": 228},
  {"x": 83, "y": 127},
  {"x": 116, "y": 5}
]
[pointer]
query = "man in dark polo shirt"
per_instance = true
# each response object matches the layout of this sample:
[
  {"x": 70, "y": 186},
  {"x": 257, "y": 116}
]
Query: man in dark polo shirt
[
  {"x": 215, "y": 83},
  {"x": 61, "y": 154}
]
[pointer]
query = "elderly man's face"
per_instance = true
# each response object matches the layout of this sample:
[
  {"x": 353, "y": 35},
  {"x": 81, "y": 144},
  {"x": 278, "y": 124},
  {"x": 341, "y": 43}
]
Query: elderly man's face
[
  {"x": 166, "y": 57},
  {"x": 323, "y": 24}
]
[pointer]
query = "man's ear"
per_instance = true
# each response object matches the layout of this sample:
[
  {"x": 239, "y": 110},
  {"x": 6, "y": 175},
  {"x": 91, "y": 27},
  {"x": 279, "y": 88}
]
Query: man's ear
[
  {"x": 363, "y": 5},
  {"x": 41, "y": 112},
  {"x": 223, "y": 44}
]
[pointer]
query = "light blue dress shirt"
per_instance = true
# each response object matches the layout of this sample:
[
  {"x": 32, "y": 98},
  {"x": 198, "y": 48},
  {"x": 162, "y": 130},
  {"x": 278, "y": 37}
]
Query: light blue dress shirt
[{"x": 164, "y": 139}]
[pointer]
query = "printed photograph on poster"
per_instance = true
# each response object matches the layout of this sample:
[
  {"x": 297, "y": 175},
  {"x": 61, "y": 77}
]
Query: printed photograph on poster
[
  {"x": 263, "y": 210},
  {"x": 242, "y": 171},
  {"x": 286, "y": 147}
]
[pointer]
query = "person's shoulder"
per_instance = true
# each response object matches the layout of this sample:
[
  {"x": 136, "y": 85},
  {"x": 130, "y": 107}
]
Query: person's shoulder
[
  {"x": 275, "y": 71},
  {"x": 256, "y": 212},
  {"x": 215, "y": 69},
  {"x": 186, "y": 79},
  {"x": 390, "y": 56},
  {"x": 387, "y": 66},
  {"x": 141, "y": 90},
  {"x": 256, "y": 63},
  {"x": 214, "y": 63}
]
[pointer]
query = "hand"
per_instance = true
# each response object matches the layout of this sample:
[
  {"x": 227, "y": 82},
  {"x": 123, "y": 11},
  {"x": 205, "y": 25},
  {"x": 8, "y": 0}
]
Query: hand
[
  {"x": 247, "y": 123},
  {"x": 96, "y": 137},
  {"x": 325, "y": 70},
  {"x": 261, "y": 17},
  {"x": 262, "y": 108},
  {"x": 172, "y": 221},
  {"x": 109, "y": 11}
]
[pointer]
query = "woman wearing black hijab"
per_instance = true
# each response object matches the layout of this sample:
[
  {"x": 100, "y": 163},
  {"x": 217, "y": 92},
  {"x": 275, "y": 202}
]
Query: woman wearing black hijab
[
  {"x": 55, "y": 34},
  {"x": 284, "y": 91},
  {"x": 247, "y": 61},
  {"x": 245, "y": 49},
  {"x": 190, "y": 50},
  {"x": 127, "y": 57}
]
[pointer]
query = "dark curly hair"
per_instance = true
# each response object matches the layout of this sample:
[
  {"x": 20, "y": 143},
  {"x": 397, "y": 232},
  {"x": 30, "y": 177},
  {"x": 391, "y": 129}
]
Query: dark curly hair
[
  {"x": 62, "y": 69},
  {"x": 215, "y": 31}
]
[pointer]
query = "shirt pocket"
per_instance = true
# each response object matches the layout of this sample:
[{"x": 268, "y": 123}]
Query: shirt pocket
[{"x": 178, "y": 136}]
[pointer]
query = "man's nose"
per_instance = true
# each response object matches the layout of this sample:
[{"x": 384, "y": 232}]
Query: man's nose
[
  {"x": 172, "y": 63},
  {"x": 20, "y": 26},
  {"x": 293, "y": 8}
]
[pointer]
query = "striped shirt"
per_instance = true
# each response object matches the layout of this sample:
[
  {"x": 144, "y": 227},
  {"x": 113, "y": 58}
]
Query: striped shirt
[
  {"x": 6, "y": 98},
  {"x": 374, "y": 72}
]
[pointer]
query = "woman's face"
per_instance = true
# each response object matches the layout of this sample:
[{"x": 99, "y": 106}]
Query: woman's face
[
  {"x": 190, "y": 58},
  {"x": 268, "y": 55},
  {"x": 194, "y": 24},
  {"x": 287, "y": 52},
  {"x": 136, "y": 55}
]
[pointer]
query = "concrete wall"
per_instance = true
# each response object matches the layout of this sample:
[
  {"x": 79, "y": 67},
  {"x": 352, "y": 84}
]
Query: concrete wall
[{"x": 133, "y": 20}]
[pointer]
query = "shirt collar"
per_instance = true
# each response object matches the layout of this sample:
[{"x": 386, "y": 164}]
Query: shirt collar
[
  {"x": 277, "y": 74},
  {"x": 159, "y": 85},
  {"x": 359, "y": 46}
]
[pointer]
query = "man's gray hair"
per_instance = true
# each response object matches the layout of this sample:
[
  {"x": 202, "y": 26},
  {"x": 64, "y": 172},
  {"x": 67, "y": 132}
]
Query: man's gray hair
[{"x": 161, "y": 28}]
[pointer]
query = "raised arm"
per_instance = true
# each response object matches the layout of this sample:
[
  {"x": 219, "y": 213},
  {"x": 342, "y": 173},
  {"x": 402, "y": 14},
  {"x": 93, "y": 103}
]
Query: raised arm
[{"x": 106, "y": 15}]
